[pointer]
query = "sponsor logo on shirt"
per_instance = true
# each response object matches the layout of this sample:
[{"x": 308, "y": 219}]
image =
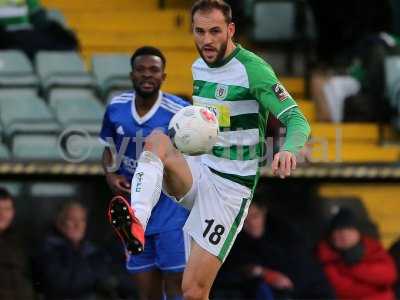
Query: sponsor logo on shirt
[
  {"x": 120, "y": 130},
  {"x": 130, "y": 164},
  {"x": 280, "y": 92}
]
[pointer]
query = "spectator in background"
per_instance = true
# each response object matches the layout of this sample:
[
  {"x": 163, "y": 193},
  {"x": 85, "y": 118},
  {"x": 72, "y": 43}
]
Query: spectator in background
[
  {"x": 396, "y": 16},
  {"x": 272, "y": 259},
  {"x": 357, "y": 266},
  {"x": 355, "y": 93},
  {"x": 24, "y": 25},
  {"x": 15, "y": 280},
  {"x": 342, "y": 24},
  {"x": 67, "y": 265},
  {"x": 352, "y": 40},
  {"x": 395, "y": 253}
]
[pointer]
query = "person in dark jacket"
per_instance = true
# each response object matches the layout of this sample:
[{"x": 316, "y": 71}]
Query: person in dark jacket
[
  {"x": 270, "y": 255},
  {"x": 68, "y": 266},
  {"x": 395, "y": 253},
  {"x": 15, "y": 279},
  {"x": 357, "y": 266}
]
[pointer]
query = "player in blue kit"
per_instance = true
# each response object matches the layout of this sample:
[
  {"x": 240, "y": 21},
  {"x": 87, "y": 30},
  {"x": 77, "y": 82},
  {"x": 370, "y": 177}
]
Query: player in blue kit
[{"x": 128, "y": 120}]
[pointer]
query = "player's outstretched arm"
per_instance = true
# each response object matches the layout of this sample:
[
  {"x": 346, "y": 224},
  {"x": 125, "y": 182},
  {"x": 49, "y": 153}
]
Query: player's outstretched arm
[{"x": 297, "y": 133}]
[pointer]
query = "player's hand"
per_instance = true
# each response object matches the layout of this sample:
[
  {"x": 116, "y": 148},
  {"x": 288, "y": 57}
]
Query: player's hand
[
  {"x": 284, "y": 162},
  {"x": 118, "y": 183},
  {"x": 253, "y": 271},
  {"x": 278, "y": 280}
]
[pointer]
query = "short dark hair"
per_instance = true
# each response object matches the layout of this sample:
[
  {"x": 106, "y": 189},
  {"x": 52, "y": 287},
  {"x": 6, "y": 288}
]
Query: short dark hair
[
  {"x": 65, "y": 206},
  {"x": 148, "y": 50},
  {"x": 208, "y": 5},
  {"x": 5, "y": 194}
]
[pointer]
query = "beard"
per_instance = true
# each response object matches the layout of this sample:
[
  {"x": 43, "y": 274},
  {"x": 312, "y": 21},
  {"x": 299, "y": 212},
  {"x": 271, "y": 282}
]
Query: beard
[
  {"x": 146, "y": 94},
  {"x": 220, "y": 53}
]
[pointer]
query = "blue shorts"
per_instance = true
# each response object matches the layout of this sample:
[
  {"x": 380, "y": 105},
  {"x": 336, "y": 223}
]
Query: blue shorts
[{"x": 167, "y": 251}]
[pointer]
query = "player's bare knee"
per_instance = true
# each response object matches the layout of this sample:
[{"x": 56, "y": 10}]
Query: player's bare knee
[
  {"x": 159, "y": 144},
  {"x": 194, "y": 291}
]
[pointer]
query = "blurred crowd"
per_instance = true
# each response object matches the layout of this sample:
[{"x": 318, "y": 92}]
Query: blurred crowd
[
  {"x": 348, "y": 75},
  {"x": 63, "y": 264},
  {"x": 271, "y": 259}
]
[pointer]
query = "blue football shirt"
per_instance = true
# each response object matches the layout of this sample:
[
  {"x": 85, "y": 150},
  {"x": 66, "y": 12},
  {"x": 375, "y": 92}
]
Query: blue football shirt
[{"x": 123, "y": 127}]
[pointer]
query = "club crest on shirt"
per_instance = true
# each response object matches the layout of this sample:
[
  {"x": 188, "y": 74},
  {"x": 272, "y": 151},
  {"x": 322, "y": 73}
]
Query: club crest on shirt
[
  {"x": 221, "y": 91},
  {"x": 280, "y": 92}
]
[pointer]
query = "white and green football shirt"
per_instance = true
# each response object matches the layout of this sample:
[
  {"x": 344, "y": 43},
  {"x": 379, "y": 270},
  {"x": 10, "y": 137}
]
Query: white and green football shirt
[{"x": 242, "y": 90}]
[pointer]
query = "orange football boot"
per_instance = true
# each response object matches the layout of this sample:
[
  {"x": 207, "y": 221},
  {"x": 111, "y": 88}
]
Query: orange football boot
[{"x": 126, "y": 225}]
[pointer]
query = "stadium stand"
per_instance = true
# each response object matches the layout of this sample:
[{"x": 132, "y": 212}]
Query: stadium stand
[
  {"x": 46, "y": 147},
  {"x": 126, "y": 25},
  {"x": 77, "y": 107},
  {"x": 4, "y": 153},
  {"x": 53, "y": 190},
  {"x": 20, "y": 112},
  {"x": 62, "y": 69},
  {"x": 392, "y": 78},
  {"x": 84, "y": 148},
  {"x": 56, "y": 15},
  {"x": 111, "y": 72},
  {"x": 101, "y": 5},
  {"x": 16, "y": 70},
  {"x": 13, "y": 187},
  {"x": 35, "y": 147},
  {"x": 278, "y": 17}
]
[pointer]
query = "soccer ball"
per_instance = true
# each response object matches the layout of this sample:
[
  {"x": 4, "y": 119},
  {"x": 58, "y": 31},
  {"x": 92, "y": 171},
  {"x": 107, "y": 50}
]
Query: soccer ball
[{"x": 194, "y": 130}]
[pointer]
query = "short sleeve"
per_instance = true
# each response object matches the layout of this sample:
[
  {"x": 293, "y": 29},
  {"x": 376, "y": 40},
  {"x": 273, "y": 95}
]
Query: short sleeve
[
  {"x": 107, "y": 129},
  {"x": 268, "y": 91}
]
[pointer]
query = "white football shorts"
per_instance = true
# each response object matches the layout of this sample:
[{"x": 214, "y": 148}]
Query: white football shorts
[{"x": 218, "y": 209}]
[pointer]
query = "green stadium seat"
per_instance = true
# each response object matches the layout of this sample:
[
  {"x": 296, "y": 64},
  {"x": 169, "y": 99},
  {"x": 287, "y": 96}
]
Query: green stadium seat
[
  {"x": 84, "y": 149},
  {"x": 392, "y": 78},
  {"x": 112, "y": 72},
  {"x": 274, "y": 20},
  {"x": 16, "y": 70},
  {"x": 115, "y": 93},
  {"x": 53, "y": 189},
  {"x": 12, "y": 93},
  {"x": 62, "y": 69},
  {"x": 46, "y": 147},
  {"x": 21, "y": 113},
  {"x": 4, "y": 153},
  {"x": 14, "y": 188},
  {"x": 81, "y": 148},
  {"x": 77, "y": 107},
  {"x": 57, "y": 16},
  {"x": 36, "y": 146}
]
